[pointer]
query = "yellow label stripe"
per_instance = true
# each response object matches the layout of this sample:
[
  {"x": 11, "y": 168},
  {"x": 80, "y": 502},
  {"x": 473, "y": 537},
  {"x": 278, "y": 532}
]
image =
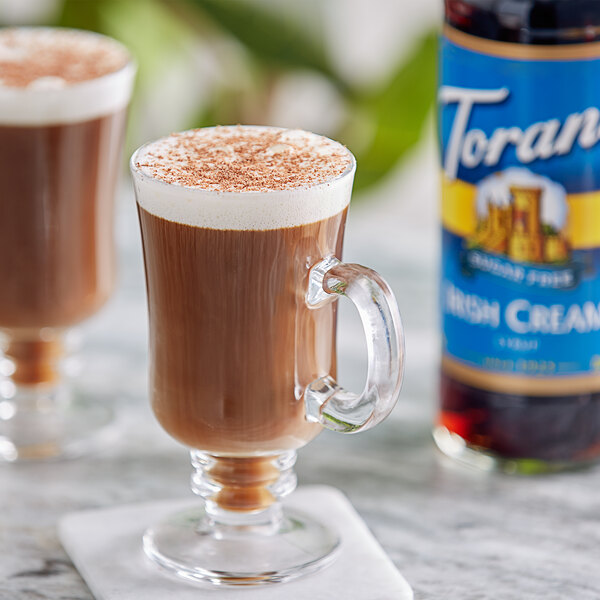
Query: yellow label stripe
[
  {"x": 583, "y": 221},
  {"x": 459, "y": 213}
]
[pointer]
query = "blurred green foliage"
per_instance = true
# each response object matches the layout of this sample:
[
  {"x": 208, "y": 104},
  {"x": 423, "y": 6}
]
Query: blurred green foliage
[{"x": 379, "y": 125}]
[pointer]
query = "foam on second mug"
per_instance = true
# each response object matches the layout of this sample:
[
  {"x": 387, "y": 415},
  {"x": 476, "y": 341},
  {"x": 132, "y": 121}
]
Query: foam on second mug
[
  {"x": 243, "y": 178},
  {"x": 57, "y": 76}
]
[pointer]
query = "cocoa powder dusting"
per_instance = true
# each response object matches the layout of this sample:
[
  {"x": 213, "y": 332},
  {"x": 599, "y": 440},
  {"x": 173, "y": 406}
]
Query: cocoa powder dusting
[
  {"x": 65, "y": 56},
  {"x": 241, "y": 159}
]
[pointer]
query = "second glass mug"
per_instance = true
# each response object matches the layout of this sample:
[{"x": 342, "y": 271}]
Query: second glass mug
[
  {"x": 60, "y": 151},
  {"x": 243, "y": 365}
]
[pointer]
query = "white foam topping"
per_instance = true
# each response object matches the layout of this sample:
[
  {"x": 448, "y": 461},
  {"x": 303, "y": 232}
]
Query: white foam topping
[
  {"x": 243, "y": 177},
  {"x": 52, "y": 76}
]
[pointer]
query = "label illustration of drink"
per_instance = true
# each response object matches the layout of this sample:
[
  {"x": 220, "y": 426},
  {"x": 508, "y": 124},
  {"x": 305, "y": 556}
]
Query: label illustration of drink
[{"x": 519, "y": 133}]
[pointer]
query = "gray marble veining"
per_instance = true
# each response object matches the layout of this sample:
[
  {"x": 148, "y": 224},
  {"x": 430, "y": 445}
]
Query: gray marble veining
[{"x": 452, "y": 532}]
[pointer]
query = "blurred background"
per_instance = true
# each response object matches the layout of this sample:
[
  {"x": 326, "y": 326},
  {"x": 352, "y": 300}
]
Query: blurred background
[{"x": 360, "y": 71}]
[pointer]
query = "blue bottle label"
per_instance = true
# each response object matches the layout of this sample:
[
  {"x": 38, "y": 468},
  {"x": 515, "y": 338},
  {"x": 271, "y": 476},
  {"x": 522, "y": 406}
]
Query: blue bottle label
[{"x": 519, "y": 130}]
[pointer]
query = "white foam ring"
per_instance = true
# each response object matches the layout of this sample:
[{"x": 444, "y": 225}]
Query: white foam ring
[
  {"x": 49, "y": 103},
  {"x": 253, "y": 211}
]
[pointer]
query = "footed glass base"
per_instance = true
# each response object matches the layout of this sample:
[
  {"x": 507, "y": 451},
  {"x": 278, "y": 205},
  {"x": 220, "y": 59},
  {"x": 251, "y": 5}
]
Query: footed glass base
[
  {"x": 45, "y": 411},
  {"x": 38, "y": 425},
  {"x": 270, "y": 546}
]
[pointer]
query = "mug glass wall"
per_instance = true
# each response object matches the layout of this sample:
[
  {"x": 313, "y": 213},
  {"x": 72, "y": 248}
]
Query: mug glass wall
[
  {"x": 63, "y": 100},
  {"x": 241, "y": 296}
]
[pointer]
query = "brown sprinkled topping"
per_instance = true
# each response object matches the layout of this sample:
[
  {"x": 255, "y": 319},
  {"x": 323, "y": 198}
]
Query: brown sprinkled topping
[
  {"x": 55, "y": 57},
  {"x": 244, "y": 159}
]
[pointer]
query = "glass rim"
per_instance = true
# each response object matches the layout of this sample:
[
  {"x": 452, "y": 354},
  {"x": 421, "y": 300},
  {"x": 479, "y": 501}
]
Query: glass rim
[{"x": 138, "y": 172}]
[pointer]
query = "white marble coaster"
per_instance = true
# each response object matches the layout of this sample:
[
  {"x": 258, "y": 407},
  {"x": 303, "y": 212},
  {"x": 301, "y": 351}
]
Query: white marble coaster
[{"x": 106, "y": 547}]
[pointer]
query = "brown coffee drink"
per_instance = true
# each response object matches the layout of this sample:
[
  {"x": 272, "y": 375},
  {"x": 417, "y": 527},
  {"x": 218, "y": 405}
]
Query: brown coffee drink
[
  {"x": 232, "y": 219},
  {"x": 56, "y": 220},
  {"x": 233, "y": 343},
  {"x": 63, "y": 95}
]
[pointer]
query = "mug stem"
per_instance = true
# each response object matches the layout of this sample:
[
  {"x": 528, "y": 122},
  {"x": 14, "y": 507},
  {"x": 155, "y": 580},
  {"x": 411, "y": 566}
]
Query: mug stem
[
  {"x": 239, "y": 490},
  {"x": 42, "y": 415}
]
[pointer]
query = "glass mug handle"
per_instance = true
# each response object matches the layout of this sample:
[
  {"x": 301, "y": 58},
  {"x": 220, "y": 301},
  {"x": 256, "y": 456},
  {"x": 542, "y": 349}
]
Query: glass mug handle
[{"x": 326, "y": 402}]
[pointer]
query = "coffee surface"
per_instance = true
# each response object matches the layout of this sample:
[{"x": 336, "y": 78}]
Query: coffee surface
[
  {"x": 243, "y": 178},
  {"x": 46, "y": 58},
  {"x": 52, "y": 76},
  {"x": 244, "y": 159}
]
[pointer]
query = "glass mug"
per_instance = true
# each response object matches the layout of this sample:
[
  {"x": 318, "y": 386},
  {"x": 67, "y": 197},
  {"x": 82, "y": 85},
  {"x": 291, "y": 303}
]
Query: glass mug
[
  {"x": 241, "y": 295},
  {"x": 63, "y": 103}
]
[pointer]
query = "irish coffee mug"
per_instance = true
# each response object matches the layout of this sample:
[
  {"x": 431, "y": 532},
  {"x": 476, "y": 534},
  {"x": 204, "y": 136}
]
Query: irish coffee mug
[
  {"x": 63, "y": 102},
  {"x": 242, "y": 232}
]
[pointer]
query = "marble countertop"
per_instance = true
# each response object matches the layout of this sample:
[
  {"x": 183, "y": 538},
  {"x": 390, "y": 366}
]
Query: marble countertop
[{"x": 453, "y": 533}]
